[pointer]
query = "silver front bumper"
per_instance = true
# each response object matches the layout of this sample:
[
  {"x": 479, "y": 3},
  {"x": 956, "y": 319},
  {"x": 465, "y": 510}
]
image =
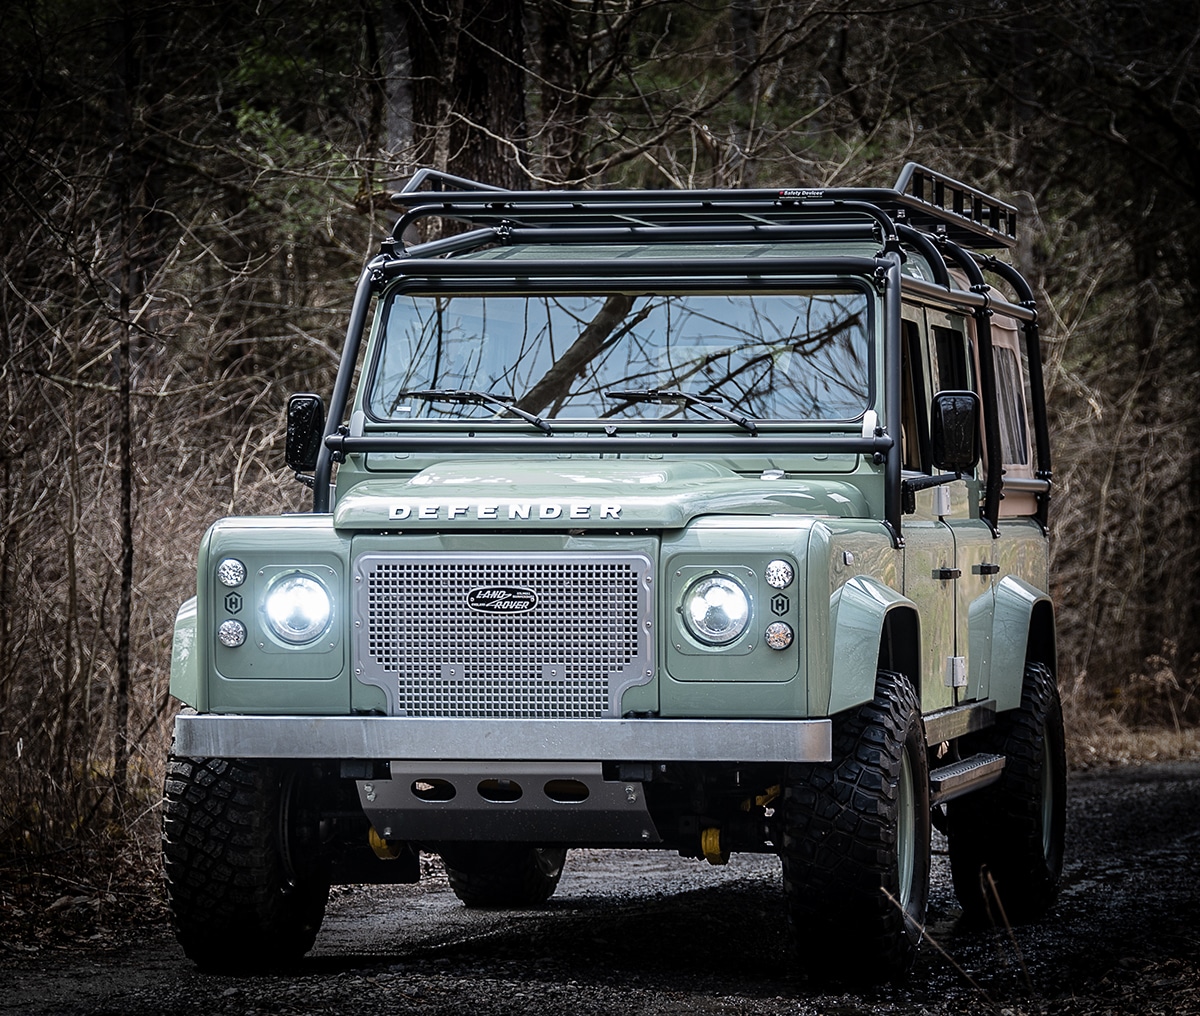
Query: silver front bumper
[{"x": 472, "y": 740}]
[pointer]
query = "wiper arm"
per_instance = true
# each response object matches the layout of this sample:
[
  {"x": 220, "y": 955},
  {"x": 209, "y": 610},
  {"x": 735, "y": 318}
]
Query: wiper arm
[
  {"x": 680, "y": 398},
  {"x": 468, "y": 397}
]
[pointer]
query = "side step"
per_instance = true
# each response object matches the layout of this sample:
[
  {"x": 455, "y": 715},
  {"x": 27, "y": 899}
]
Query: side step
[{"x": 964, "y": 777}]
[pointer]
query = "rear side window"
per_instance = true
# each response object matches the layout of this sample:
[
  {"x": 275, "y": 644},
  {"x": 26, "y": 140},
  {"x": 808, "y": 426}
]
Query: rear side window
[{"x": 1010, "y": 399}]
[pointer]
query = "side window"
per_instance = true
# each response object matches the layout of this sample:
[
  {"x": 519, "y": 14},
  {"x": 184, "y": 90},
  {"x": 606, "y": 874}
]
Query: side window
[
  {"x": 1010, "y": 398},
  {"x": 950, "y": 353},
  {"x": 914, "y": 410}
]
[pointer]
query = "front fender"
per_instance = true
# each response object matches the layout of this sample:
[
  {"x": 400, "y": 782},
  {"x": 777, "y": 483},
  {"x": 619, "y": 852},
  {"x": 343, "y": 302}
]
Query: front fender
[
  {"x": 858, "y": 612},
  {"x": 185, "y": 662}
]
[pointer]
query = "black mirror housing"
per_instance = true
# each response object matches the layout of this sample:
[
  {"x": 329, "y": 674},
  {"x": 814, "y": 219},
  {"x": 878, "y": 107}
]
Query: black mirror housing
[
  {"x": 954, "y": 429},
  {"x": 305, "y": 429}
]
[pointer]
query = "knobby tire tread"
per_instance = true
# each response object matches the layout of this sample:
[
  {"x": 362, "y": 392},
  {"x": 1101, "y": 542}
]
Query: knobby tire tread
[{"x": 839, "y": 845}]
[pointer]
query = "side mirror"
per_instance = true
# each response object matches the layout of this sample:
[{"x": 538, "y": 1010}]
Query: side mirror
[
  {"x": 954, "y": 430},
  {"x": 305, "y": 428}
]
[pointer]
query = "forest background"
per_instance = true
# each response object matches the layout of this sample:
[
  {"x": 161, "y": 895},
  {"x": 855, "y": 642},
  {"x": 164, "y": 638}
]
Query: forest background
[{"x": 190, "y": 191}]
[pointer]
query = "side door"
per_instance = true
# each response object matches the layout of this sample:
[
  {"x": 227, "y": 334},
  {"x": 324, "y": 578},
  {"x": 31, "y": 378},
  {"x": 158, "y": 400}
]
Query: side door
[
  {"x": 953, "y": 365},
  {"x": 930, "y": 560}
]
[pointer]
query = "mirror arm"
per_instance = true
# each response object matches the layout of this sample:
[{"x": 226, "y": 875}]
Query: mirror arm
[
  {"x": 910, "y": 486},
  {"x": 925, "y": 482}
]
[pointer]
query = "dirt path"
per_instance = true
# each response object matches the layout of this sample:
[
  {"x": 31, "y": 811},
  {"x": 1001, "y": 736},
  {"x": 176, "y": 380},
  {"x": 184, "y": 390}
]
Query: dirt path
[{"x": 653, "y": 933}]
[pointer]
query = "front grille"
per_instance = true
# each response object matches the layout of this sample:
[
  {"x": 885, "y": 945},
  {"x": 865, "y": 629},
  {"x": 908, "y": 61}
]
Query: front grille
[{"x": 567, "y": 636}]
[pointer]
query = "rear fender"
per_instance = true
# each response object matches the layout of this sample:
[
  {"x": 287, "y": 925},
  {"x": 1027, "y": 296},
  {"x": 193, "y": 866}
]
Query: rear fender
[{"x": 1022, "y": 632}]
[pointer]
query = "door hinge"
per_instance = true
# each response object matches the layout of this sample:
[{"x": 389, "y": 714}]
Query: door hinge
[
  {"x": 986, "y": 569},
  {"x": 956, "y": 671},
  {"x": 945, "y": 574}
]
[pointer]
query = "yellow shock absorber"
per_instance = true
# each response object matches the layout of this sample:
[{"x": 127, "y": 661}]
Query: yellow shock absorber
[
  {"x": 385, "y": 850},
  {"x": 710, "y": 846},
  {"x": 762, "y": 800}
]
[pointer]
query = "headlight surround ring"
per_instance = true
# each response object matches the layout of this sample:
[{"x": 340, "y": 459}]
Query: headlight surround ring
[
  {"x": 297, "y": 608},
  {"x": 716, "y": 609}
]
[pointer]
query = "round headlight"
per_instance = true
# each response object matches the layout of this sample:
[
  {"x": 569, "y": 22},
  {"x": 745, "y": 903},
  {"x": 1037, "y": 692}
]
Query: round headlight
[
  {"x": 716, "y": 609},
  {"x": 298, "y": 609}
]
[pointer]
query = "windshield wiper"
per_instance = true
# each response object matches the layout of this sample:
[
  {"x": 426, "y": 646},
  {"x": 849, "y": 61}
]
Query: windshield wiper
[
  {"x": 674, "y": 396},
  {"x": 468, "y": 397}
]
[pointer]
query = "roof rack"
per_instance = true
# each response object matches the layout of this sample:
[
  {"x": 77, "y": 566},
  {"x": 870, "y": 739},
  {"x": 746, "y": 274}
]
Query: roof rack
[{"x": 922, "y": 198}]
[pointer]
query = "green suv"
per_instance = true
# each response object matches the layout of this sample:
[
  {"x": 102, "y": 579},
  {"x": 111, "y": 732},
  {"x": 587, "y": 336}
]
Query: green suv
[{"x": 706, "y": 521}]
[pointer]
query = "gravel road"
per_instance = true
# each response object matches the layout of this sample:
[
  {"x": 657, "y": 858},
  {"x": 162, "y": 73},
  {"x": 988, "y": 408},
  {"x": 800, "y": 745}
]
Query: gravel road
[{"x": 652, "y": 933}]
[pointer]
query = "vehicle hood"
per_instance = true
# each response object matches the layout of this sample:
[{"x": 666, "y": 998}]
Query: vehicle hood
[{"x": 602, "y": 494}]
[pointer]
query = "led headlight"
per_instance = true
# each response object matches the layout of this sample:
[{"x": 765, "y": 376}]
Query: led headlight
[
  {"x": 716, "y": 609},
  {"x": 297, "y": 609}
]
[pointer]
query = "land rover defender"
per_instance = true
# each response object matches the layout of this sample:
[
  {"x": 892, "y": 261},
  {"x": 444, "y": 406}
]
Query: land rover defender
[{"x": 706, "y": 521}]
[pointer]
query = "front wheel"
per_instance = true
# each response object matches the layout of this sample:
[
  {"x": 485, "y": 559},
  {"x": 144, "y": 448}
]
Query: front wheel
[
  {"x": 242, "y": 894},
  {"x": 503, "y": 874},
  {"x": 856, "y": 841},
  {"x": 1006, "y": 842}
]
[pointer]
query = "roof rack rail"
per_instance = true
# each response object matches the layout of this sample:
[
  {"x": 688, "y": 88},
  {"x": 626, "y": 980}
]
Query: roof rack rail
[
  {"x": 922, "y": 198},
  {"x": 946, "y": 198}
]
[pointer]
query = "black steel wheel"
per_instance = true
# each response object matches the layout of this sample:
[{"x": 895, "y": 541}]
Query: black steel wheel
[
  {"x": 503, "y": 874},
  {"x": 241, "y": 894},
  {"x": 1006, "y": 842},
  {"x": 856, "y": 842}
]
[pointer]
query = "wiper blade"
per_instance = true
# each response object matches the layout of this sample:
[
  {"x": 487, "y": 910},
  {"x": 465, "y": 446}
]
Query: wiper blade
[
  {"x": 469, "y": 397},
  {"x": 681, "y": 398}
]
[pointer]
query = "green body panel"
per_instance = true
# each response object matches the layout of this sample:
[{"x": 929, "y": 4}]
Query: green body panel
[
  {"x": 841, "y": 552},
  {"x": 614, "y": 494},
  {"x": 746, "y": 678},
  {"x": 857, "y": 612},
  {"x": 264, "y": 675},
  {"x": 1015, "y": 601},
  {"x": 186, "y": 683}
]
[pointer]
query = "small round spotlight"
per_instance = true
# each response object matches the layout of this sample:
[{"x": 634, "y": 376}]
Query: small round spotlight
[
  {"x": 232, "y": 633},
  {"x": 779, "y": 574},
  {"x": 231, "y": 572},
  {"x": 779, "y": 635}
]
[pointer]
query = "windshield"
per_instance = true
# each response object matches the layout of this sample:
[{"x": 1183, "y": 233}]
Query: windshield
[{"x": 766, "y": 355}]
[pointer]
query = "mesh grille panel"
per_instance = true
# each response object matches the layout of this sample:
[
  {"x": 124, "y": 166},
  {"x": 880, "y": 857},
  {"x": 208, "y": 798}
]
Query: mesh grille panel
[{"x": 561, "y": 657}]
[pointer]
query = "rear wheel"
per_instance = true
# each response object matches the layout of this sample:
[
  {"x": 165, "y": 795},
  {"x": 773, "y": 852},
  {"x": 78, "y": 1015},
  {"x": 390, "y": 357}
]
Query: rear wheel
[
  {"x": 1010, "y": 835},
  {"x": 856, "y": 842},
  {"x": 242, "y": 892},
  {"x": 504, "y": 874}
]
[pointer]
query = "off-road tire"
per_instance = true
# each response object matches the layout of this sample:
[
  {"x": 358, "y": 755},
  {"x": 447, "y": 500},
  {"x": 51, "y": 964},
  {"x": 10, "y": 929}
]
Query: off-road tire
[
  {"x": 236, "y": 900},
  {"x": 1013, "y": 831},
  {"x": 504, "y": 874},
  {"x": 856, "y": 837}
]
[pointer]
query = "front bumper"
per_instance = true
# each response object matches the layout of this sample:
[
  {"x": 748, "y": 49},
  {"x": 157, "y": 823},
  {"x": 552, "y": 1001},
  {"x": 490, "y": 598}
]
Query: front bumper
[{"x": 470, "y": 740}]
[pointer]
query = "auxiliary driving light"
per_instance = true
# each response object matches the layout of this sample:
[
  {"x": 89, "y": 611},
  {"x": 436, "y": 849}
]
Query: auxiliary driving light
[
  {"x": 716, "y": 609},
  {"x": 231, "y": 572},
  {"x": 779, "y": 574},
  {"x": 297, "y": 609},
  {"x": 779, "y": 635},
  {"x": 231, "y": 633}
]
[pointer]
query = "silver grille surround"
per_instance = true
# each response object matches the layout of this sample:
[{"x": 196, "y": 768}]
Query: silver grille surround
[{"x": 588, "y": 636}]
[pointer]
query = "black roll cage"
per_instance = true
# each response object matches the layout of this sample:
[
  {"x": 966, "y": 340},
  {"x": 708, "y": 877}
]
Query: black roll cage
[{"x": 942, "y": 218}]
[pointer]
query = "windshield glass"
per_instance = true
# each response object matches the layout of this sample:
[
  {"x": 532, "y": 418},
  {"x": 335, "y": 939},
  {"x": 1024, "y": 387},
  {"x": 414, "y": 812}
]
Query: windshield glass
[{"x": 767, "y": 355}]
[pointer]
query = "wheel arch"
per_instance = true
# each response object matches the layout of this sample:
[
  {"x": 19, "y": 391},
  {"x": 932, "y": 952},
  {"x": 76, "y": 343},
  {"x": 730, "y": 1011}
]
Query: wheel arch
[
  {"x": 873, "y": 627},
  {"x": 1020, "y": 608}
]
